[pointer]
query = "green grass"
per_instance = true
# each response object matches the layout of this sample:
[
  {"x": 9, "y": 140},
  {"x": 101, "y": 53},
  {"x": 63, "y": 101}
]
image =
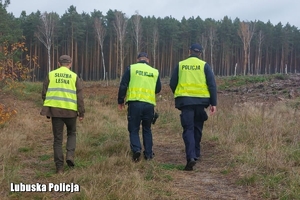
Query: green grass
[
  {"x": 45, "y": 157},
  {"x": 30, "y": 87},
  {"x": 280, "y": 76},
  {"x": 25, "y": 149},
  {"x": 249, "y": 180},
  {"x": 170, "y": 166},
  {"x": 26, "y": 91},
  {"x": 236, "y": 81}
]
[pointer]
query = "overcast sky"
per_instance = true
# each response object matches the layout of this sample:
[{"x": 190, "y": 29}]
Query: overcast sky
[{"x": 275, "y": 11}]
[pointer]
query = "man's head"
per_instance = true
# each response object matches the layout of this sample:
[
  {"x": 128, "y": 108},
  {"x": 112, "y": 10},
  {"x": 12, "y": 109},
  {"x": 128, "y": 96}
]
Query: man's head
[
  {"x": 143, "y": 56},
  {"x": 196, "y": 49},
  {"x": 65, "y": 60}
]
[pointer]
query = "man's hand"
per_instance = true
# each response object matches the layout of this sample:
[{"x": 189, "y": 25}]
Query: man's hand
[
  {"x": 121, "y": 106},
  {"x": 213, "y": 109},
  {"x": 80, "y": 119}
]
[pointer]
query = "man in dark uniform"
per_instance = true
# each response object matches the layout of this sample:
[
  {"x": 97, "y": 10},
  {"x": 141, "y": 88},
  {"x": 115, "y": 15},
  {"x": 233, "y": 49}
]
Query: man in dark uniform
[
  {"x": 194, "y": 88},
  {"x": 139, "y": 84},
  {"x": 63, "y": 102}
]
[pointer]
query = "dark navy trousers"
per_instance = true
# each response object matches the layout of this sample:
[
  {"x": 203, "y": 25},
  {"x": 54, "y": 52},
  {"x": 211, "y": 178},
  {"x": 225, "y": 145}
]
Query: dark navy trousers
[
  {"x": 140, "y": 113},
  {"x": 192, "y": 119}
]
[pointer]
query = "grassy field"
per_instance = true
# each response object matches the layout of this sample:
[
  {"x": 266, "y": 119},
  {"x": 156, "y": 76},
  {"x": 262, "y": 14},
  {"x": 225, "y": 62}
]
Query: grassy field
[{"x": 254, "y": 146}]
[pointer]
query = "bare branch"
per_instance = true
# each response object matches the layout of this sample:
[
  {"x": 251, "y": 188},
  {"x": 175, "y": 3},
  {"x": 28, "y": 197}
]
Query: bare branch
[
  {"x": 100, "y": 34},
  {"x": 137, "y": 33},
  {"x": 100, "y": 31},
  {"x": 120, "y": 25},
  {"x": 246, "y": 33},
  {"x": 46, "y": 31}
]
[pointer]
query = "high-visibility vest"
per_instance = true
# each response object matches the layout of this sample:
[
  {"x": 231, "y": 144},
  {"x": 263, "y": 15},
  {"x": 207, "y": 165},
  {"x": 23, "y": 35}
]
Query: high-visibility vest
[
  {"x": 142, "y": 83},
  {"x": 191, "y": 79},
  {"x": 61, "y": 91}
]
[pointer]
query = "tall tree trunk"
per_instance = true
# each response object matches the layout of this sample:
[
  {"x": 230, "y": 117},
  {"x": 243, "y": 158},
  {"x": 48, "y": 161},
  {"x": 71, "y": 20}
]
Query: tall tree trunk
[
  {"x": 49, "y": 59},
  {"x": 72, "y": 44},
  {"x": 45, "y": 32},
  {"x": 110, "y": 58},
  {"x": 100, "y": 33},
  {"x": 75, "y": 60},
  {"x": 137, "y": 30},
  {"x": 282, "y": 60},
  {"x": 212, "y": 33},
  {"x": 260, "y": 41},
  {"x": 246, "y": 32},
  {"x": 86, "y": 63},
  {"x": 171, "y": 57},
  {"x": 120, "y": 27},
  {"x": 155, "y": 41}
]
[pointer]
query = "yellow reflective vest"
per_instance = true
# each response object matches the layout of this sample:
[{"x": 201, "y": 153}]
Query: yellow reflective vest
[
  {"x": 191, "y": 79},
  {"x": 61, "y": 91},
  {"x": 142, "y": 83}
]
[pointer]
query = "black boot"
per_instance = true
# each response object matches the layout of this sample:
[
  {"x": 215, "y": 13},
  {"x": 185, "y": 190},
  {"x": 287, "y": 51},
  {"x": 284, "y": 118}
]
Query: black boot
[{"x": 190, "y": 164}]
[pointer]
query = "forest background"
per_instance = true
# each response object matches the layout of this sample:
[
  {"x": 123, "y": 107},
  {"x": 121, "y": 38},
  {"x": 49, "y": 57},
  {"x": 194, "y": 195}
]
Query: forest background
[{"x": 101, "y": 45}]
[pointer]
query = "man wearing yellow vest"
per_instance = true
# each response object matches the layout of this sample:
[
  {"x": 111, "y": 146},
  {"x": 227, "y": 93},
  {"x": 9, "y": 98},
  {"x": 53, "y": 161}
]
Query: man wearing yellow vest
[
  {"x": 194, "y": 88},
  {"x": 139, "y": 85},
  {"x": 63, "y": 102}
]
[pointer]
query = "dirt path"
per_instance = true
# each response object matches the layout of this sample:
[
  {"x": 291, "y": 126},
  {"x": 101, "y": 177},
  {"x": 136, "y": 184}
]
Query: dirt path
[{"x": 206, "y": 181}]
